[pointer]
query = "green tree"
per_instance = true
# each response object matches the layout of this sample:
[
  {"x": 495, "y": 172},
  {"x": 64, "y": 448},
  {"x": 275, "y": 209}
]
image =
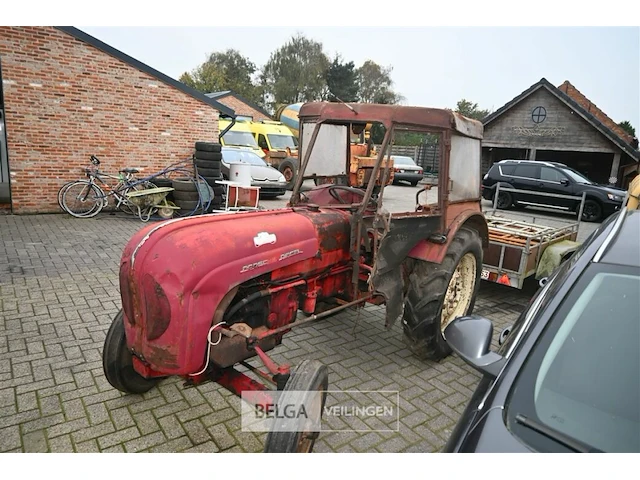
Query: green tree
[
  {"x": 375, "y": 84},
  {"x": 227, "y": 70},
  {"x": 342, "y": 81},
  {"x": 471, "y": 110},
  {"x": 296, "y": 72},
  {"x": 627, "y": 127}
]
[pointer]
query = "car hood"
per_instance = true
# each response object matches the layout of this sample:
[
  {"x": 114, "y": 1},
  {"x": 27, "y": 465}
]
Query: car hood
[{"x": 261, "y": 173}]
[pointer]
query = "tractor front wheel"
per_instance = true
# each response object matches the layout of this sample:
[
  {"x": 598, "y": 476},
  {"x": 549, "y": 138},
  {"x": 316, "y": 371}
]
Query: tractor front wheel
[
  {"x": 307, "y": 386},
  {"x": 117, "y": 361},
  {"x": 438, "y": 293}
]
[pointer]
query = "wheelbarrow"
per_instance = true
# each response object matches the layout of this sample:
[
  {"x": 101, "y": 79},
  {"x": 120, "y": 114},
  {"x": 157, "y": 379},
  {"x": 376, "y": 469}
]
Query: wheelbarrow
[{"x": 150, "y": 201}]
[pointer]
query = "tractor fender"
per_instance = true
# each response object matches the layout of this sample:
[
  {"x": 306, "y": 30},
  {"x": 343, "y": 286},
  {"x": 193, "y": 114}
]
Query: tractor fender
[{"x": 430, "y": 251}]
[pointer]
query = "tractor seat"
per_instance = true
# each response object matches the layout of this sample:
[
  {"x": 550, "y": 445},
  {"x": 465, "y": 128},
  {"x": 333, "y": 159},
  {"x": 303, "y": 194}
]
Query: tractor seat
[{"x": 129, "y": 170}]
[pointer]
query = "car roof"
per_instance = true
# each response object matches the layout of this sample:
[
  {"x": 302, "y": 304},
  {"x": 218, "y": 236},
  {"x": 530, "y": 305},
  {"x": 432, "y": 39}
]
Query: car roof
[
  {"x": 532, "y": 162},
  {"x": 621, "y": 247}
]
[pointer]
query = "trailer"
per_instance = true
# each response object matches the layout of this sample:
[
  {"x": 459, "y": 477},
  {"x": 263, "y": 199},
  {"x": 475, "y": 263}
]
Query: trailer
[{"x": 520, "y": 249}]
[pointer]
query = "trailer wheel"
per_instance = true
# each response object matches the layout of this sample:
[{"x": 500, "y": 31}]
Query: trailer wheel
[
  {"x": 438, "y": 293},
  {"x": 308, "y": 384},
  {"x": 117, "y": 361}
]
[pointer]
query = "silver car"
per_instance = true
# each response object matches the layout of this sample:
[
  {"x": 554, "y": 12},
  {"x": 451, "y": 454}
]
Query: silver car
[
  {"x": 406, "y": 170},
  {"x": 271, "y": 182}
]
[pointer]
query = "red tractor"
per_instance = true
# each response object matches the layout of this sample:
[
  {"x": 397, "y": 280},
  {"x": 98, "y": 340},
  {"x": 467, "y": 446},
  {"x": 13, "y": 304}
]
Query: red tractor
[{"x": 201, "y": 295}]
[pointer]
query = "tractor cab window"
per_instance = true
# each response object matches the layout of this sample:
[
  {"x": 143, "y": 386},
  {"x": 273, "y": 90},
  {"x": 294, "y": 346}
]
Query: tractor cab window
[
  {"x": 415, "y": 157},
  {"x": 329, "y": 152}
]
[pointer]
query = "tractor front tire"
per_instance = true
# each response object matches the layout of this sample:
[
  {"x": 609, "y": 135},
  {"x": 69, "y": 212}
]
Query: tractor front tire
[
  {"x": 117, "y": 361},
  {"x": 438, "y": 293},
  {"x": 307, "y": 386}
]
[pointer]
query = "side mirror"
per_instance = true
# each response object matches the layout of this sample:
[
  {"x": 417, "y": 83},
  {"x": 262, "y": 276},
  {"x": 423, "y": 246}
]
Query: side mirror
[
  {"x": 564, "y": 182},
  {"x": 470, "y": 338}
]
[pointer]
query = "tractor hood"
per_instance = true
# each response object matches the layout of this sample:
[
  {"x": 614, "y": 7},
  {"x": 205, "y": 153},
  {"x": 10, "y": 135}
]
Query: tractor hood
[{"x": 174, "y": 274}]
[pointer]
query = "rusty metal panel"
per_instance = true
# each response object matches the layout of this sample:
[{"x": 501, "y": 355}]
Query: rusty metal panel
[{"x": 387, "y": 114}]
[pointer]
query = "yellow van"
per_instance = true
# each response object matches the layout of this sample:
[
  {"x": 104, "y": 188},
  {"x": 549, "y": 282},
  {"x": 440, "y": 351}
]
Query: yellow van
[
  {"x": 274, "y": 136},
  {"x": 240, "y": 135}
]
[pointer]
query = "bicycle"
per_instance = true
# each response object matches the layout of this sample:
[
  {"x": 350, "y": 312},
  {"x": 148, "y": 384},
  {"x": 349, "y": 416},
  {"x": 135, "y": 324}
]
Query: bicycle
[{"x": 86, "y": 198}]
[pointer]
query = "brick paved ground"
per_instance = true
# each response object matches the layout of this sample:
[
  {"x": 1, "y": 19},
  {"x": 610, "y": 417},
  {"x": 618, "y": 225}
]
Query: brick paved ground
[{"x": 58, "y": 294}]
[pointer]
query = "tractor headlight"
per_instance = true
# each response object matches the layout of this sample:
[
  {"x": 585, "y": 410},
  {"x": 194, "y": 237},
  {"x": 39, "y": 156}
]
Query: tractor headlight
[{"x": 615, "y": 198}]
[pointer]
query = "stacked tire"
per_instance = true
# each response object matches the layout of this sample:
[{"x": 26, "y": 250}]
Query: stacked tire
[
  {"x": 208, "y": 163},
  {"x": 186, "y": 195}
]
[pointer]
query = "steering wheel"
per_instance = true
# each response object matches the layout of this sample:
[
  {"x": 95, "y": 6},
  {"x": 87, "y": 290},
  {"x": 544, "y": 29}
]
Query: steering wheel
[{"x": 333, "y": 191}]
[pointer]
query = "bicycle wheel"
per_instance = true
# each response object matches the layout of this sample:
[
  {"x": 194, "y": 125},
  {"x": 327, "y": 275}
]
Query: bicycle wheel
[
  {"x": 61, "y": 192},
  {"x": 83, "y": 199}
]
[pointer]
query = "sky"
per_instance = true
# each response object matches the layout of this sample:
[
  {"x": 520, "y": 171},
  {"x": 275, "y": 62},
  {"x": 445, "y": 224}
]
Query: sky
[{"x": 432, "y": 66}]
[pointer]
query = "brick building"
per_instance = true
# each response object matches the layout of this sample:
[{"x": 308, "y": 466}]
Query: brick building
[
  {"x": 65, "y": 95},
  {"x": 560, "y": 124},
  {"x": 243, "y": 107}
]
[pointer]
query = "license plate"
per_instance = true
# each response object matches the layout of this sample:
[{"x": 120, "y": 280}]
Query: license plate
[{"x": 484, "y": 275}]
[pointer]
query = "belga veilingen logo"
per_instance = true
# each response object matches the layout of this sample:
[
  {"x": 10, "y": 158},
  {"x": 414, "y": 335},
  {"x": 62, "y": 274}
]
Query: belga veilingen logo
[{"x": 330, "y": 411}]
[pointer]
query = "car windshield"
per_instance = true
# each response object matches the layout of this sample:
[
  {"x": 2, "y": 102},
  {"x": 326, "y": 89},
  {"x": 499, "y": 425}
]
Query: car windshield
[
  {"x": 403, "y": 160},
  {"x": 583, "y": 377},
  {"x": 242, "y": 139},
  {"x": 282, "y": 141},
  {"x": 576, "y": 176},
  {"x": 233, "y": 156}
]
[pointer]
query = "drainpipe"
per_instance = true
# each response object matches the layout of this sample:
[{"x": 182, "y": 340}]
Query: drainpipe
[{"x": 233, "y": 122}]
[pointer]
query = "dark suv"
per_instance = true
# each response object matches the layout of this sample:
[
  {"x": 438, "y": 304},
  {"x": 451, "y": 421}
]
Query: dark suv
[{"x": 538, "y": 177}]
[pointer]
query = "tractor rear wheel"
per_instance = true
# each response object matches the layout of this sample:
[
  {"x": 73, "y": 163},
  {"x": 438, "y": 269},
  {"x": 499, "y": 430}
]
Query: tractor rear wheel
[
  {"x": 438, "y": 293},
  {"x": 117, "y": 361}
]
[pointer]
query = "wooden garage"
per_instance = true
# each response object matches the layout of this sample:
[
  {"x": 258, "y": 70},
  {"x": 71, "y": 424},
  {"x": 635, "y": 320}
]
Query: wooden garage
[{"x": 560, "y": 124}]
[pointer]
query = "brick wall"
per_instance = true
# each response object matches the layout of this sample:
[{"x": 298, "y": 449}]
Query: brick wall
[
  {"x": 65, "y": 100},
  {"x": 242, "y": 108}
]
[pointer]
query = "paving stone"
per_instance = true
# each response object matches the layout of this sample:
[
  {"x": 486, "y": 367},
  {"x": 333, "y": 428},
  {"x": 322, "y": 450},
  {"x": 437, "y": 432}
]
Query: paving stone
[
  {"x": 67, "y": 427},
  {"x": 118, "y": 437},
  {"x": 61, "y": 444},
  {"x": 93, "y": 432},
  {"x": 89, "y": 446},
  {"x": 173, "y": 446},
  {"x": 121, "y": 418},
  {"x": 10, "y": 438},
  {"x": 41, "y": 423},
  {"x": 221, "y": 436},
  {"x": 145, "y": 442},
  {"x": 171, "y": 427},
  {"x": 35, "y": 442},
  {"x": 146, "y": 422}
]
